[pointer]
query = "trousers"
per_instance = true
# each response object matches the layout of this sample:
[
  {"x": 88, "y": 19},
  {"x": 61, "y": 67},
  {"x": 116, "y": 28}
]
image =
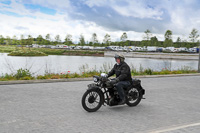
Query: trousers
[{"x": 120, "y": 88}]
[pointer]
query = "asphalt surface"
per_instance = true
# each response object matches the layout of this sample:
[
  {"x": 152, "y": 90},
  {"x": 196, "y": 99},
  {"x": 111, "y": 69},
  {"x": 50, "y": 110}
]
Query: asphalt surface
[{"x": 172, "y": 105}]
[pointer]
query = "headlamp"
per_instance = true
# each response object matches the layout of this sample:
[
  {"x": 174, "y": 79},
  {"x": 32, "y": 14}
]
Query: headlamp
[{"x": 95, "y": 78}]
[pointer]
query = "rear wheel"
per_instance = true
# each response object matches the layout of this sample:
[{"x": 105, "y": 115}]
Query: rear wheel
[
  {"x": 133, "y": 97},
  {"x": 92, "y": 100}
]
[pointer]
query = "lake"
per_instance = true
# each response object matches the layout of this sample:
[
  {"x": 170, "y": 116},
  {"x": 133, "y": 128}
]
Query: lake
[{"x": 71, "y": 64}]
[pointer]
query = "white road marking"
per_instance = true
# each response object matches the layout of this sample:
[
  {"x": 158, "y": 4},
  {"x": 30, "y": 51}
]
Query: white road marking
[{"x": 176, "y": 128}]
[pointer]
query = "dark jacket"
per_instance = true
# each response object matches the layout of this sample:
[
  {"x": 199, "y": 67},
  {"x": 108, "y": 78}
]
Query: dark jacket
[{"x": 122, "y": 71}]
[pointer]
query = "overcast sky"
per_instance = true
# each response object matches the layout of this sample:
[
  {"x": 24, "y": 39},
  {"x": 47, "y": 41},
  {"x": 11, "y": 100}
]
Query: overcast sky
[{"x": 86, "y": 17}]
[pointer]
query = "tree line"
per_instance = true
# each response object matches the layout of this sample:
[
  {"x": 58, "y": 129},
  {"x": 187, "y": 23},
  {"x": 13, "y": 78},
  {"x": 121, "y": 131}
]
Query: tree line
[{"x": 148, "y": 40}]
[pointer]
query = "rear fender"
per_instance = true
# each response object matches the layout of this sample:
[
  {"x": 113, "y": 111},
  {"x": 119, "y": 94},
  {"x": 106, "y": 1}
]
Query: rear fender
[
  {"x": 140, "y": 88},
  {"x": 136, "y": 83}
]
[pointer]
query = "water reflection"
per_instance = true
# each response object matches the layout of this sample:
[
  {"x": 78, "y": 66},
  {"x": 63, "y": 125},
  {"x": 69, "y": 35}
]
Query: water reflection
[{"x": 60, "y": 63}]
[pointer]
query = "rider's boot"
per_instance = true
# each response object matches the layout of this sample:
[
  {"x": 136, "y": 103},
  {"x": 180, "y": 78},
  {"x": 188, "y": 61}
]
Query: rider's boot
[{"x": 122, "y": 101}]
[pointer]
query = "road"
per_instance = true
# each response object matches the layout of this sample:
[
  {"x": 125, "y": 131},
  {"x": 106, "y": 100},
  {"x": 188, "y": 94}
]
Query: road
[{"x": 172, "y": 105}]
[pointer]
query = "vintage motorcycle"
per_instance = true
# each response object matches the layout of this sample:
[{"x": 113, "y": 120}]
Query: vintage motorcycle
[{"x": 97, "y": 94}]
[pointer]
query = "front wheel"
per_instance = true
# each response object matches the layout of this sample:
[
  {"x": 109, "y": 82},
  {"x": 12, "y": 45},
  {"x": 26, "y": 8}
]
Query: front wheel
[
  {"x": 92, "y": 100},
  {"x": 133, "y": 97}
]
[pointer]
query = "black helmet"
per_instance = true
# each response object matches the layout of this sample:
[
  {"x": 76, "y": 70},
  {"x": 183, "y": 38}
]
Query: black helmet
[{"x": 120, "y": 56}]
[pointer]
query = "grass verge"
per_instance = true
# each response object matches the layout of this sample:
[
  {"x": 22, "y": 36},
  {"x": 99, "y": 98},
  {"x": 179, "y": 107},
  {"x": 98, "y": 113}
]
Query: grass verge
[
  {"x": 23, "y": 51},
  {"x": 24, "y": 74}
]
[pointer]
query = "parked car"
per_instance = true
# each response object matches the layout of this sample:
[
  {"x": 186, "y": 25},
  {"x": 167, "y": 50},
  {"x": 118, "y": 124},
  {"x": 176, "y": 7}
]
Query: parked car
[
  {"x": 151, "y": 49},
  {"x": 184, "y": 49},
  {"x": 78, "y": 47},
  {"x": 62, "y": 46},
  {"x": 99, "y": 48},
  {"x": 170, "y": 49}
]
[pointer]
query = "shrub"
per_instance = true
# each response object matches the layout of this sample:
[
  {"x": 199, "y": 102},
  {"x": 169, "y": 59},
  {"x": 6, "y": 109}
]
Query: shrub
[
  {"x": 141, "y": 69},
  {"x": 55, "y": 76},
  {"x": 27, "y": 78},
  {"x": 67, "y": 76},
  {"x": 42, "y": 77},
  {"x": 7, "y": 77},
  {"x": 75, "y": 75},
  {"x": 21, "y": 73},
  {"x": 155, "y": 73},
  {"x": 148, "y": 71}
]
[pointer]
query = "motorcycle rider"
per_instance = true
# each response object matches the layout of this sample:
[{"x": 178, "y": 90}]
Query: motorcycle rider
[{"x": 123, "y": 76}]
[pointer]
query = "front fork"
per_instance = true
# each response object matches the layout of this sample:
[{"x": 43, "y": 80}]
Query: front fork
[{"x": 106, "y": 96}]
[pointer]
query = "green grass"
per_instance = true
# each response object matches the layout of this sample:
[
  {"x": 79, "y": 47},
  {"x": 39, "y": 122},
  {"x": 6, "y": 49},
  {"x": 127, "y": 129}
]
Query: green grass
[
  {"x": 24, "y": 74},
  {"x": 49, "y": 51},
  {"x": 26, "y": 52},
  {"x": 7, "y": 49},
  {"x": 23, "y": 51},
  {"x": 83, "y": 52}
]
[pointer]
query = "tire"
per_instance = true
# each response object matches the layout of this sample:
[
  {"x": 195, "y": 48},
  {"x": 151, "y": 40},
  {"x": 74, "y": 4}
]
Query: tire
[
  {"x": 134, "y": 97},
  {"x": 92, "y": 100}
]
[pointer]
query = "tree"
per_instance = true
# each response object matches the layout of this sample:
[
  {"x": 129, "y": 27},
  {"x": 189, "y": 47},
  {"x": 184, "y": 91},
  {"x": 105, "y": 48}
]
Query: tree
[
  {"x": 154, "y": 41},
  {"x": 29, "y": 40},
  {"x": 82, "y": 40},
  {"x": 57, "y": 39},
  {"x": 178, "y": 42},
  {"x": 127, "y": 43},
  {"x": 39, "y": 40},
  {"x": 193, "y": 35},
  {"x": 47, "y": 40},
  {"x": 178, "y": 39},
  {"x": 168, "y": 39},
  {"x": 107, "y": 39},
  {"x": 168, "y": 35},
  {"x": 22, "y": 41},
  {"x": 147, "y": 38},
  {"x": 9, "y": 41},
  {"x": 2, "y": 39},
  {"x": 147, "y": 35},
  {"x": 94, "y": 39},
  {"x": 48, "y": 37},
  {"x": 14, "y": 40},
  {"x": 123, "y": 37},
  {"x": 68, "y": 39}
]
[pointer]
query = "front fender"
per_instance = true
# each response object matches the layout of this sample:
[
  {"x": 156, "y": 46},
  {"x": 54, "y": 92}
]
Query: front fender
[
  {"x": 97, "y": 88},
  {"x": 92, "y": 85}
]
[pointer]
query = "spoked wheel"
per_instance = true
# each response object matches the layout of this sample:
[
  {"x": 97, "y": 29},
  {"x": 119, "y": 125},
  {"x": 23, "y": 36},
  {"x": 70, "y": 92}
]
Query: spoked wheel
[
  {"x": 92, "y": 100},
  {"x": 133, "y": 97}
]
